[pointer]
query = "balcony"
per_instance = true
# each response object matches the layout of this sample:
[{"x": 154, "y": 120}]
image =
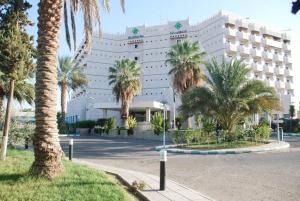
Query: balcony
[
  {"x": 271, "y": 43},
  {"x": 256, "y": 53},
  {"x": 231, "y": 47},
  {"x": 230, "y": 33},
  {"x": 257, "y": 67},
  {"x": 270, "y": 83},
  {"x": 243, "y": 36},
  {"x": 278, "y": 57},
  {"x": 288, "y": 72},
  {"x": 267, "y": 55},
  {"x": 289, "y": 85},
  {"x": 255, "y": 39},
  {"x": 280, "y": 84},
  {"x": 244, "y": 50},
  {"x": 286, "y": 47},
  {"x": 269, "y": 69},
  {"x": 287, "y": 60},
  {"x": 279, "y": 71}
]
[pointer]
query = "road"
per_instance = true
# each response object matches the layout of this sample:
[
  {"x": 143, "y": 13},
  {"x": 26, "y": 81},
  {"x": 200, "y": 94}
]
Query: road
[{"x": 271, "y": 176}]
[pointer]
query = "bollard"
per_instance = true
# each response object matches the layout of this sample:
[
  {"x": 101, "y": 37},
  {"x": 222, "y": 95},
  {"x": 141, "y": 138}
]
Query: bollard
[
  {"x": 163, "y": 160},
  {"x": 281, "y": 134},
  {"x": 26, "y": 143},
  {"x": 70, "y": 149},
  {"x": 278, "y": 133}
]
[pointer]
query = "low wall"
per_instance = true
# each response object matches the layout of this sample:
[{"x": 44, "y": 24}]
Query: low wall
[{"x": 145, "y": 135}]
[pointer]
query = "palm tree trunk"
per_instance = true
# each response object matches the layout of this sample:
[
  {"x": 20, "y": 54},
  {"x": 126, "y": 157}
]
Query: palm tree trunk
[
  {"x": 47, "y": 150},
  {"x": 125, "y": 113},
  {"x": 190, "y": 122},
  {"x": 7, "y": 119},
  {"x": 64, "y": 93}
]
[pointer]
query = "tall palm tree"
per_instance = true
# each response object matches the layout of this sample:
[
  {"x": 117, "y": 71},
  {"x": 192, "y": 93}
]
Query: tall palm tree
[
  {"x": 23, "y": 91},
  {"x": 70, "y": 75},
  {"x": 125, "y": 75},
  {"x": 185, "y": 58},
  {"x": 47, "y": 150},
  {"x": 229, "y": 96}
]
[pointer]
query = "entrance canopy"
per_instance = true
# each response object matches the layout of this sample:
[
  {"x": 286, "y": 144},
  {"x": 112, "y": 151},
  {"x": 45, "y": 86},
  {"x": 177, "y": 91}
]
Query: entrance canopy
[{"x": 134, "y": 106}]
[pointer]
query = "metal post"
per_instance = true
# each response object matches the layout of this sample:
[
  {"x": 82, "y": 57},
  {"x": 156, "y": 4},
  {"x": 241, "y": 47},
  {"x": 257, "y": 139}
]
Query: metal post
[
  {"x": 164, "y": 136},
  {"x": 163, "y": 159},
  {"x": 278, "y": 134},
  {"x": 70, "y": 149},
  {"x": 281, "y": 134},
  {"x": 26, "y": 142}
]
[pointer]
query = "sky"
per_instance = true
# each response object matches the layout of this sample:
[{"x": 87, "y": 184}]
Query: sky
[{"x": 275, "y": 13}]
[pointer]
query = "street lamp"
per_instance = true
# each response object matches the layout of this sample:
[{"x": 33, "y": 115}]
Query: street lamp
[{"x": 163, "y": 152}]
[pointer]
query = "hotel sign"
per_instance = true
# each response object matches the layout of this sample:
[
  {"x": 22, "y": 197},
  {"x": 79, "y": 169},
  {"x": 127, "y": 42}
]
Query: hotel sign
[{"x": 135, "y": 32}]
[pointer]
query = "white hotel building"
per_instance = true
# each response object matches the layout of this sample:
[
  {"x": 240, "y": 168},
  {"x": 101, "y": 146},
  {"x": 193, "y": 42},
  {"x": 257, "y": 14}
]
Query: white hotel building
[{"x": 267, "y": 51}]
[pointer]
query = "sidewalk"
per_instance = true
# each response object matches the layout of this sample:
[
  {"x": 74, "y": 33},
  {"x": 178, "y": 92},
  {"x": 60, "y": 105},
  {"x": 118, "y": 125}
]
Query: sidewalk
[{"x": 173, "y": 192}]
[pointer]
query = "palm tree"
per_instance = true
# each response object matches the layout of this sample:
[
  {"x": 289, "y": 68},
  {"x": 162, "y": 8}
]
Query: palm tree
[
  {"x": 229, "y": 96},
  {"x": 70, "y": 75},
  {"x": 185, "y": 58},
  {"x": 23, "y": 91},
  {"x": 47, "y": 150},
  {"x": 125, "y": 75}
]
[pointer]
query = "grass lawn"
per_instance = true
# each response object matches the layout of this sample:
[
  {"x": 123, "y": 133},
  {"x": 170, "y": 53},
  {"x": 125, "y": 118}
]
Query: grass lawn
[
  {"x": 223, "y": 145},
  {"x": 79, "y": 183}
]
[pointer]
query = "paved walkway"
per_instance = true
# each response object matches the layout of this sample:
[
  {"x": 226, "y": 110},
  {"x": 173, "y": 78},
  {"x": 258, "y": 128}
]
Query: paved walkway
[{"x": 173, "y": 192}]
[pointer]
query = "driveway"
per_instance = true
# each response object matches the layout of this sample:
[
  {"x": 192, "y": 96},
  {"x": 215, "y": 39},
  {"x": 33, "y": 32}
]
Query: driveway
[{"x": 245, "y": 177}]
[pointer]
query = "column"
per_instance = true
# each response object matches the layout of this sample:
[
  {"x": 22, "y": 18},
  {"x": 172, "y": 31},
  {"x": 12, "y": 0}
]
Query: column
[
  {"x": 104, "y": 113},
  {"x": 148, "y": 114}
]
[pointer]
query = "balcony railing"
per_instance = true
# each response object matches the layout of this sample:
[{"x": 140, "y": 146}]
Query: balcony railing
[
  {"x": 231, "y": 33},
  {"x": 287, "y": 60},
  {"x": 268, "y": 55},
  {"x": 269, "y": 69},
  {"x": 270, "y": 83},
  {"x": 289, "y": 85},
  {"x": 286, "y": 46},
  {"x": 243, "y": 35},
  {"x": 244, "y": 50},
  {"x": 271, "y": 43},
  {"x": 280, "y": 84},
  {"x": 255, "y": 39},
  {"x": 258, "y": 67},
  {"x": 278, "y": 57},
  {"x": 279, "y": 71},
  {"x": 288, "y": 72},
  {"x": 256, "y": 53},
  {"x": 230, "y": 47}
]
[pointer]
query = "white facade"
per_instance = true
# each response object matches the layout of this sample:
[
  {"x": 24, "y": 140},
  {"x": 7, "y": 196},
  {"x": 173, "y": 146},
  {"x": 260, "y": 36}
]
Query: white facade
[{"x": 268, "y": 53}]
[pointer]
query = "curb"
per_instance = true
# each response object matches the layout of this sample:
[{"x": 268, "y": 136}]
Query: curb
[
  {"x": 292, "y": 134},
  {"x": 275, "y": 146},
  {"x": 68, "y": 135}
]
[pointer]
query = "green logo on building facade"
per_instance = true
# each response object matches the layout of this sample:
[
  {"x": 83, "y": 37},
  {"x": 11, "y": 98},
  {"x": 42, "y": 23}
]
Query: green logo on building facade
[
  {"x": 135, "y": 31},
  {"x": 178, "y": 25}
]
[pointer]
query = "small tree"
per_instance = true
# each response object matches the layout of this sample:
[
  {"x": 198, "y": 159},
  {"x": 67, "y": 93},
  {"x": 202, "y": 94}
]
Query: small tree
[
  {"x": 125, "y": 78},
  {"x": 16, "y": 55},
  {"x": 292, "y": 111},
  {"x": 70, "y": 76}
]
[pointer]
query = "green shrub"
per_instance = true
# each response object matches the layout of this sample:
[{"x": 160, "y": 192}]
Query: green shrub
[
  {"x": 132, "y": 123},
  {"x": 179, "y": 121},
  {"x": 20, "y": 132},
  {"x": 178, "y": 136},
  {"x": 85, "y": 124},
  {"x": 158, "y": 125}
]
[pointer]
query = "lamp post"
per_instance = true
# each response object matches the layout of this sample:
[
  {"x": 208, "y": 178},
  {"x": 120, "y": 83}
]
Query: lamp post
[{"x": 163, "y": 153}]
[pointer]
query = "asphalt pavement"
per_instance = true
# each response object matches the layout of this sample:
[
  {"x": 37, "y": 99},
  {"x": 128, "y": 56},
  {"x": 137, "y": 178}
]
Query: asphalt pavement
[{"x": 269, "y": 176}]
